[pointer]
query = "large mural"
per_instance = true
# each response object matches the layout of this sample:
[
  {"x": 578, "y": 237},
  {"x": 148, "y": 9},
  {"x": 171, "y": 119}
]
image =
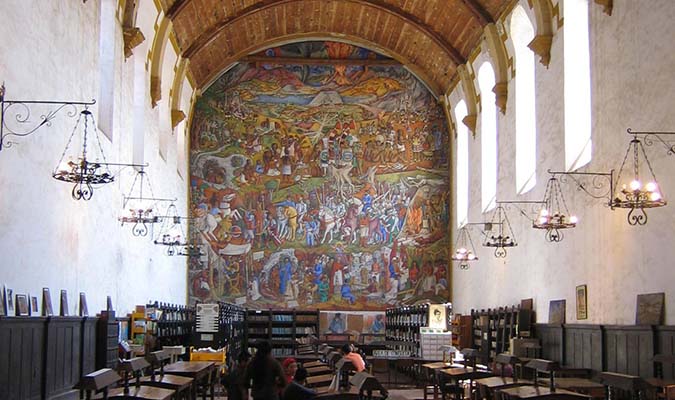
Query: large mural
[{"x": 319, "y": 186}]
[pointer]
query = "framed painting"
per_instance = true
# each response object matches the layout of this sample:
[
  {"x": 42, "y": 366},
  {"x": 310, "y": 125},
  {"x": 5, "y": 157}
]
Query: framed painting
[
  {"x": 47, "y": 310},
  {"x": 556, "y": 312},
  {"x": 84, "y": 310},
  {"x": 650, "y": 309},
  {"x": 22, "y": 308},
  {"x": 34, "y": 305},
  {"x": 582, "y": 304}
]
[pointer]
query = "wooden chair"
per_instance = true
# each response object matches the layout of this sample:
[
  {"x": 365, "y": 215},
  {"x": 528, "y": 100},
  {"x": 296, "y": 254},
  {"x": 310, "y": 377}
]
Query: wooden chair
[
  {"x": 97, "y": 381},
  {"x": 180, "y": 384}
]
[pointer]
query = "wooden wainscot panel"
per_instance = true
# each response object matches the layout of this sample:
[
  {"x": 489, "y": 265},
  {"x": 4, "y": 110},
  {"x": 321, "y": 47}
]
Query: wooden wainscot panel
[
  {"x": 62, "y": 355},
  {"x": 551, "y": 338},
  {"x": 629, "y": 349},
  {"x": 665, "y": 345},
  {"x": 88, "y": 352},
  {"x": 21, "y": 358},
  {"x": 583, "y": 346}
]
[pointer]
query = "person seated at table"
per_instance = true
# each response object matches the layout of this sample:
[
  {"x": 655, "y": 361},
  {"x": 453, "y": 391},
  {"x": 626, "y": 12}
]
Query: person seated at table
[
  {"x": 290, "y": 368},
  {"x": 296, "y": 389},
  {"x": 264, "y": 374},
  {"x": 234, "y": 381},
  {"x": 354, "y": 357}
]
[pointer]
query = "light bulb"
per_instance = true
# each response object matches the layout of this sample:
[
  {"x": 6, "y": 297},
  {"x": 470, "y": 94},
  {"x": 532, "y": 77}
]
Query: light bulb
[
  {"x": 655, "y": 196},
  {"x": 543, "y": 212},
  {"x": 574, "y": 219},
  {"x": 635, "y": 185},
  {"x": 471, "y": 257},
  {"x": 543, "y": 220},
  {"x": 461, "y": 250},
  {"x": 650, "y": 187}
]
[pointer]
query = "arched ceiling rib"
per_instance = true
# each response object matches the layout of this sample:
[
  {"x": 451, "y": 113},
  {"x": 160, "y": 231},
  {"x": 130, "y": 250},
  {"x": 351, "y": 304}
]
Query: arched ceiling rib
[{"x": 431, "y": 36}]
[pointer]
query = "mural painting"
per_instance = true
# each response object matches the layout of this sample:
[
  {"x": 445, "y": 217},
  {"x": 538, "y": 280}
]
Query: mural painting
[{"x": 319, "y": 186}]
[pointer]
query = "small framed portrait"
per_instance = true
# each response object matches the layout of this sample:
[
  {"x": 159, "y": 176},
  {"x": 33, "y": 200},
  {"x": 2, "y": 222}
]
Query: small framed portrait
[
  {"x": 22, "y": 308},
  {"x": 34, "y": 306},
  {"x": 64, "y": 304},
  {"x": 47, "y": 310},
  {"x": 582, "y": 305},
  {"x": 84, "y": 311},
  {"x": 9, "y": 298}
]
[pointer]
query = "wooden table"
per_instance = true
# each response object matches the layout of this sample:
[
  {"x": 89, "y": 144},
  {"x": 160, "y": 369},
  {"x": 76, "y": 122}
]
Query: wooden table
[
  {"x": 464, "y": 374},
  {"x": 540, "y": 392},
  {"x": 582, "y": 385},
  {"x": 180, "y": 384},
  {"x": 487, "y": 387},
  {"x": 141, "y": 393},
  {"x": 433, "y": 368},
  {"x": 197, "y": 370},
  {"x": 630, "y": 383}
]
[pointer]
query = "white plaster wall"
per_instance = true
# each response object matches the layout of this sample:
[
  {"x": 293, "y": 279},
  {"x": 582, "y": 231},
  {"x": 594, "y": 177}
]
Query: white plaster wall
[
  {"x": 49, "y": 51},
  {"x": 632, "y": 86}
]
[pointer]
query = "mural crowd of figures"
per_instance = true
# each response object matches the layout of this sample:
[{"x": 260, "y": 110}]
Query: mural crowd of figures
[{"x": 319, "y": 186}]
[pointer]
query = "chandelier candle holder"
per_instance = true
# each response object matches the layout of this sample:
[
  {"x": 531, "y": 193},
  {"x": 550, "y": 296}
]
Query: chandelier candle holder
[
  {"x": 141, "y": 209},
  {"x": 464, "y": 249},
  {"x": 503, "y": 237},
  {"x": 554, "y": 216},
  {"x": 633, "y": 193}
]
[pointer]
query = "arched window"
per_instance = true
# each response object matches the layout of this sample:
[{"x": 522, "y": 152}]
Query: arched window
[
  {"x": 106, "y": 65},
  {"x": 462, "y": 169},
  {"x": 522, "y": 34},
  {"x": 577, "y": 85},
  {"x": 140, "y": 78},
  {"x": 488, "y": 136}
]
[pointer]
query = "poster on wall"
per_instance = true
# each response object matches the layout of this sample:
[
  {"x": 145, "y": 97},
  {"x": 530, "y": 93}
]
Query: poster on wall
[
  {"x": 319, "y": 186},
  {"x": 437, "y": 317}
]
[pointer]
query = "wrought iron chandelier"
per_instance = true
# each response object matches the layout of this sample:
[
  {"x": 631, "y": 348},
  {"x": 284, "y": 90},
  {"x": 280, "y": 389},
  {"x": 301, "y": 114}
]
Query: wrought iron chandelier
[
  {"x": 464, "y": 252},
  {"x": 83, "y": 173},
  {"x": 172, "y": 235},
  {"x": 504, "y": 236},
  {"x": 637, "y": 195},
  {"x": 554, "y": 216},
  {"x": 141, "y": 209}
]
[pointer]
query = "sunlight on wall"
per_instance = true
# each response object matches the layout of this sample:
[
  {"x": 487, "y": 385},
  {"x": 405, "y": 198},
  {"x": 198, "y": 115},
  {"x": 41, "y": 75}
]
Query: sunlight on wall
[
  {"x": 577, "y": 85},
  {"x": 522, "y": 34},
  {"x": 488, "y": 136},
  {"x": 462, "y": 165}
]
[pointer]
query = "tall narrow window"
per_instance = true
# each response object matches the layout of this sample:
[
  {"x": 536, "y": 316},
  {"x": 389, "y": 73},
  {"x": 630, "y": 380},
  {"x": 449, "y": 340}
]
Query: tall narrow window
[
  {"x": 522, "y": 34},
  {"x": 462, "y": 165},
  {"x": 488, "y": 136},
  {"x": 577, "y": 85},
  {"x": 106, "y": 62}
]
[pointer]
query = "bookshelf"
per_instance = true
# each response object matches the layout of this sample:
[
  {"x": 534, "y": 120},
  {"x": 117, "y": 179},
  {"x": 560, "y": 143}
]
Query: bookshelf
[
  {"x": 492, "y": 329},
  {"x": 171, "y": 324},
  {"x": 461, "y": 331},
  {"x": 285, "y": 329},
  {"x": 137, "y": 326}
]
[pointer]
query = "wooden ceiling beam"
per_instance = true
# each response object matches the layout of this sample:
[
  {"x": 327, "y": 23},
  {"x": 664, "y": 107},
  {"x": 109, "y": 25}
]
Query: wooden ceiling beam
[
  {"x": 210, "y": 34},
  {"x": 478, "y": 11},
  {"x": 318, "y": 61}
]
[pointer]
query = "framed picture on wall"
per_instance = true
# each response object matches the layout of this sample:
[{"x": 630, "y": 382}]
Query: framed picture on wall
[
  {"x": 34, "y": 305},
  {"x": 582, "y": 305},
  {"x": 9, "y": 298},
  {"x": 22, "y": 305},
  {"x": 650, "y": 309},
  {"x": 47, "y": 310},
  {"x": 556, "y": 312},
  {"x": 64, "y": 304}
]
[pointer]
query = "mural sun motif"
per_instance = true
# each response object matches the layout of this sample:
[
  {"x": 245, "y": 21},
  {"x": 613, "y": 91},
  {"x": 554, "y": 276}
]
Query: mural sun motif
[{"x": 319, "y": 186}]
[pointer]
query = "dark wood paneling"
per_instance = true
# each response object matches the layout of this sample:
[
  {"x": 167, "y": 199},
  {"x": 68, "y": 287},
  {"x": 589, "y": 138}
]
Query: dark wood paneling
[
  {"x": 665, "y": 344},
  {"x": 62, "y": 354},
  {"x": 629, "y": 350},
  {"x": 551, "y": 338},
  {"x": 88, "y": 354},
  {"x": 21, "y": 357},
  {"x": 583, "y": 346}
]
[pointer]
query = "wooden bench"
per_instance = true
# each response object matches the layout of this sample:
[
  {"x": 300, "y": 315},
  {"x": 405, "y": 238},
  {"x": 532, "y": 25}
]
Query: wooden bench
[{"x": 180, "y": 384}]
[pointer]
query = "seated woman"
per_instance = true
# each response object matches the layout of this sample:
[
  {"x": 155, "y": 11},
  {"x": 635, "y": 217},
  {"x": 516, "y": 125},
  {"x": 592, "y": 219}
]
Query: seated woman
[
  {"x": 355, "y": 358},
  {"x": 296, "y": 390},
  {"x": 290, "y": 368}
]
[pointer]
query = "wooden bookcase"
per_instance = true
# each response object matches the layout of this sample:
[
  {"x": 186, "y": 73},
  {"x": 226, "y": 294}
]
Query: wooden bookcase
[
  {"x": 492, "y": 330},
  {"x": 461, "y": 331},
  {"x": 285, "y": 329}
]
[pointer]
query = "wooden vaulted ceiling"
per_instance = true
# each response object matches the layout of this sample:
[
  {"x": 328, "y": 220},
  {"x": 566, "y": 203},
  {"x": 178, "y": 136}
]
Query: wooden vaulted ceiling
[{"x": 431, "y": 37}]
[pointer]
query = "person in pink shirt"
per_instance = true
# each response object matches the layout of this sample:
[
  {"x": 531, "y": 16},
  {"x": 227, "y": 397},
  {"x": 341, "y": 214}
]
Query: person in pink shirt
[{"x": 354, "y": 357}]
